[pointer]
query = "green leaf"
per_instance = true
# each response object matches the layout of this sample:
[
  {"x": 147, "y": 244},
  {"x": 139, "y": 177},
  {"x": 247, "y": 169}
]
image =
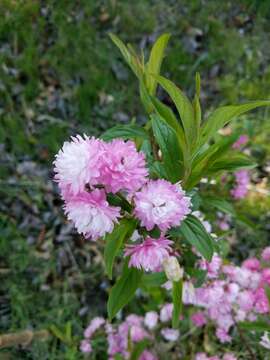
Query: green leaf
[
  {"x": 125, "y": 132},
  {"x": 255, "y": 325},
  {"x": 154, "y": 279},
  {"x": 155, "y": 60},
  {"x": 114, "y": 241},
  {"x": 177, "y": 302},
  {"x": 233, "y": 162},
  {"x": 171, "y": 153},
  {"x": 138, "y": 349},
  {"x": 129, "y": 57},
  {"x": 184, "y": 108},
  {"x": 123, "y": 290},
  {"x": 223, "y": 115},
  {"x": 198, "y": 274},
  {"x": 219, "y": 204},
  {"x": 167, "y": 114},
  {"x": 195, "y": 233}
]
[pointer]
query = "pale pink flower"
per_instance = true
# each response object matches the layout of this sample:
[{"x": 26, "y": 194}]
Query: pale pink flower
[
  {"x": 123, "y": 167},
  {"x": 78, "y": 163},
  {"x": 266, "y": 254},
  {"x": 94, "y": 325},
  {"x": 170, "y": 334},
  {"x": 223, "y": 336},
  {"x": 211, "y": 267},
  {"x": 201, "y": 356},
  {"x": 137, "y": 333},
  {"x": 161, "y": 203},
  {"x": 198, "y": 319},
  {"x": 242, "y": 181},
  {"x": 85, "y": 347},
  {"x": 246, "y": 300},
  {"x": 151, "y": 319},
  {"x": 150, "y": 254},
  {"x": 147, "y": 355},
  {"x": 91, "y": 214},
  {"x": 166, "y": 312}
]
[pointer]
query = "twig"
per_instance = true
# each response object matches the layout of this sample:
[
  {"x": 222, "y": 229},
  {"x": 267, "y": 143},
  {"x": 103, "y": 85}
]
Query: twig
[{"x": 22, "y": 338}]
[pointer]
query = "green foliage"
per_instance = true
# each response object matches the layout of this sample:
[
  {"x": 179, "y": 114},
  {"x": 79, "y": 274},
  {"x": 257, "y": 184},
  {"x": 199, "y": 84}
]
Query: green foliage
[
  {"x": 177, "y": 302},
  {"x": 123, "y": 290},
  {"x": 115, "y": 240}
]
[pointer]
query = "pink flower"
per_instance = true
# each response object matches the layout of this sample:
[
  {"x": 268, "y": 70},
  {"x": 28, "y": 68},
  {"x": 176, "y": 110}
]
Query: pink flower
[
  {"x": 91, "y": 214},
  {"x": 246, "y": 300},
  {"x": 123, "y": 167},
  {"x": 223, "y": 336},
  {"x": 150, "y": 254},
  {"x": 161, "y": 203},
  {"x": 266, "y": 254},
  {"x": 137, "y": 333},
  {"x": 201, "y": 356},
  {"x": 85, "y": 347},
  {"x": 151, "y": 319},
  {"x": 266, "y": 276},
  {"x": 212, "y": 267},
  {"x": 198, "y": 319},
  {"x": 252, "y": 264},
  {"x": 147, "y": 355},
  {"x": 261, "y": 302},
  {"x": 166, "y": 312},
  {"x": 78, "y": 163},
  {"x": 94, "y": 325},
  {"x": 242, "y": 181},
  {"x": 170, "y": 334},
  {"x": 242, "y": 140}
]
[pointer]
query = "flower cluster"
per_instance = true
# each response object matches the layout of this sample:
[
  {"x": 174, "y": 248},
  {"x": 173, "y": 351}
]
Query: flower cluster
[
  {"x": 242, "y": 140},
  {"x": 242, "y": 181},
  {"x": 88, "y": 169},
  {"x": 133, "y": 329},
  {"x": 234, "y": 294}
]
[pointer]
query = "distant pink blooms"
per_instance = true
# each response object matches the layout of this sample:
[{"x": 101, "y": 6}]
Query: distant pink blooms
[
  {"x": 232, "y": 294},
  {"x": 198, "y": 319},
  {"x": 151, "y": 319},
  {"x": 147, "y": 355},
  {"x": 85, "y": 347},
  {"x": 161, "y": 203},
  {"x": 242, "y": 181},
  {"x": 266, "y": 254},
  {"x": 150, "y": 254},
  {"x": 242, "y": 140},
  {"x": 170, "y": 334},
  {"x": 91, "y": 214},
  {"x": 94, "y": 325}
]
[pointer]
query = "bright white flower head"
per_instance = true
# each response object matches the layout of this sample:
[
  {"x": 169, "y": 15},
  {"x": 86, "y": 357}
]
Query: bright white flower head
[{"x": 78, "y": 162}]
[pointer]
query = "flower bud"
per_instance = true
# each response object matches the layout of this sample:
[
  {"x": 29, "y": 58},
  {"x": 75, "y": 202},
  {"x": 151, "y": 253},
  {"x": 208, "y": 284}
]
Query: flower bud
[{"x": 172, "y": 269}]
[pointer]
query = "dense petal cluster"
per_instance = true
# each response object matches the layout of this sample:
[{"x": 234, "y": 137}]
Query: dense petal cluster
[
  {"x": 162, "y": 204},
  {"x": 86, "y": 169},
  {"x": 78, "y": 163},
  {"x": 203, "y": 356},
  {"x": 242, "y": 181},
  {"x": 123, "y": 167},
  {"x": 150, "y": 254},
  {"x": 91, "y": 214},
  {"x": 232, "y": 294}
]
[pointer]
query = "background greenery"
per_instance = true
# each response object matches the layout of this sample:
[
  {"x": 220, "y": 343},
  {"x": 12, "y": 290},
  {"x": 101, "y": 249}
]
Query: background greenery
[{"x": 61, "y": 75}]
